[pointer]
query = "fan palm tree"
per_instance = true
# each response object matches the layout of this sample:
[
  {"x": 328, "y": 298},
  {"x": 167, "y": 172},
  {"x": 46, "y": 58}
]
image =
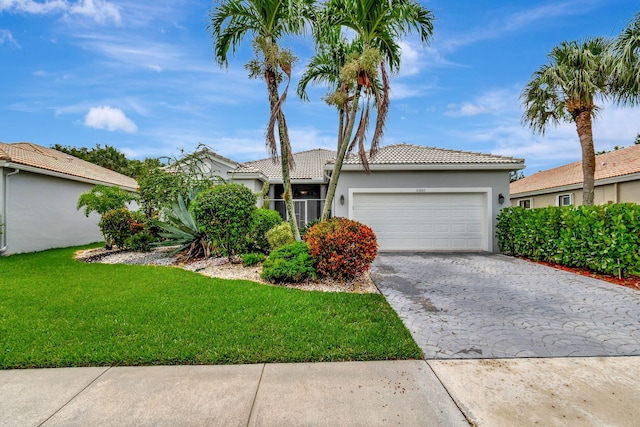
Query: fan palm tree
[
  {"x": 268, "y": 21},
  {"x": 626, "y": 84},
  {"x": 565, "y": 90},
  {"x": 375, "y": 51}
]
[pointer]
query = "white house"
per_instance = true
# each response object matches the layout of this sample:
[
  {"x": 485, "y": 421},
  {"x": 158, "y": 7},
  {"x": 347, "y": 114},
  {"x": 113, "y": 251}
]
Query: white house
[
  {"x": 39, "y": 190},
  {"x": 415, "y": 198}
]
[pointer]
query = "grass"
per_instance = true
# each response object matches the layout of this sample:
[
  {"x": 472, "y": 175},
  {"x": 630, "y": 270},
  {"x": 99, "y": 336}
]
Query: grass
[{"x": 57, "y": 312}]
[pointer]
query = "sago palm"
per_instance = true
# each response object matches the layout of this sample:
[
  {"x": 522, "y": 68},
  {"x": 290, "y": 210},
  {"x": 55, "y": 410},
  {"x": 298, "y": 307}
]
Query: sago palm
[
  {"x": 378, "y": 27},
  {"x": 267, "y": 21},
  {"x": 565, "y": 90}
]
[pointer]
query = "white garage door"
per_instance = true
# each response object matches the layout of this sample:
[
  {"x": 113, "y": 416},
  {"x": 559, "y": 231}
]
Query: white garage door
[{"x": 424, "y": 221}]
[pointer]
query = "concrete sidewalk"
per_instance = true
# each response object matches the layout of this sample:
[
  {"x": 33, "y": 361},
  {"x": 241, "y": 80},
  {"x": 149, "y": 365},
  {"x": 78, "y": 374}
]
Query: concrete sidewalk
[
  {"x": 405, "y": 393},
  {"x": 592, "y": 391}
]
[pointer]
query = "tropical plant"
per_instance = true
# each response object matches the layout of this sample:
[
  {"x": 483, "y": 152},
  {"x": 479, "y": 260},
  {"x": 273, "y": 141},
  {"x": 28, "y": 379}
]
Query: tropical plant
[
  {"x": 185, "y": 175},
  {"x": 289, "y": 263},
  {"x": 102, "y": 199},
  {"x": 180, "y": 229},
  {"x": 224, "y": 213},
  {"x": 342, "y": 248},
  {"x": 565, "y": 90},
  {"x": 626, "y": 85},
  {"x": 360, "y": 68},
  {"x": 268, "y": 21}
]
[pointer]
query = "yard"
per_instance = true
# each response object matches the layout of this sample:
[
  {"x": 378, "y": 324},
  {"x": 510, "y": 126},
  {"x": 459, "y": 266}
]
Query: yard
[{"x": 56, "y": 312}]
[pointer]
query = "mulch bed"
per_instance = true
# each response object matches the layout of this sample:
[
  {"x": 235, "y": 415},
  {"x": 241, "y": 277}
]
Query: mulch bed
[{"x": 632, "y": 282}]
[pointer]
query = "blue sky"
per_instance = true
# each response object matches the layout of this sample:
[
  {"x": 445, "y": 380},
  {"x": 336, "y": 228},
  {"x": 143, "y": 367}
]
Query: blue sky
[{"x": 140, "y": 76}]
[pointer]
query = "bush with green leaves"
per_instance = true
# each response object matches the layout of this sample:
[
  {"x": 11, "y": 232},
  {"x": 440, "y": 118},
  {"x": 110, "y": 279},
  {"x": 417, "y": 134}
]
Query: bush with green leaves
[
  {"x": 224, "y": 213},
  {"x": 262, "y": 221},
  {"x": 116, "y": 227},
  {"x": 102, "y": 199},
  {"x": 280, "y": 235},
  {"x": 290, "y": 263},
  {"x": 140, "y": 242},
  {"x": 604, "y": 239},
  {"x": 252, "y": 258},
  {"x": 307, "y": 226},
  {"x": 342, "y": 248}
]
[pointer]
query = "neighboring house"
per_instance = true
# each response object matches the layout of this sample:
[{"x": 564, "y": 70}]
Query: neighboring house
[
  {"x": 416, "y": 198},
  {"x": 617, "y": 180},
  {"x": 39, "y": 191}
]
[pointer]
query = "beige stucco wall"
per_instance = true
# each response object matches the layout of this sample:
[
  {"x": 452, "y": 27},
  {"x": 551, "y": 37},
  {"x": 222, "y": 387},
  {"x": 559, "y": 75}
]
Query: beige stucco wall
[
  {"x": 622, "y": 192},
  {"x": 497, "y": 181},
  {"x": 41, "y": 214}
]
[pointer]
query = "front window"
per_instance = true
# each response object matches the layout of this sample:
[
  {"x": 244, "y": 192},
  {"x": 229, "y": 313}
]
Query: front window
[
  {"x": 525, "y": 203},
  {"x": 565, "y": 200}
]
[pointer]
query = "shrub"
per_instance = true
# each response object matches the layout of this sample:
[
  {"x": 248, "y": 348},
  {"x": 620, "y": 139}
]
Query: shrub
[
  {"x": 224, "y": 214},
  {"x": 116, "y": 227},
  {"x": 342, "y": 248},
  {"x": 280, "y": 235},
  {"x": 605, "y": 239},
  {"x": 140, "y": 242},
  {"x": 262, "y": 221},
  {"x": 289, "y": 263},
  {"x": 252, "y": 259}
]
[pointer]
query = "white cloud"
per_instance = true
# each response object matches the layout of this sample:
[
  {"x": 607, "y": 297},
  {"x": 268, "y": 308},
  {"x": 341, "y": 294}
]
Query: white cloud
[
  {"x": 491, "y": 102},
  {"x": 112, "y": 119},
  {"x": 7, "y": 38},
  {"x": 101, "y": 11}
]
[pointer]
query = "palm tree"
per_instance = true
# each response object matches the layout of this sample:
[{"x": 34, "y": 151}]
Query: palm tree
[
  {"x": 268, "y": 21},
  {"x": 626, "y": 86},
  {"x": 377, "y": 26},
  {"x": 565, "y": 90}
]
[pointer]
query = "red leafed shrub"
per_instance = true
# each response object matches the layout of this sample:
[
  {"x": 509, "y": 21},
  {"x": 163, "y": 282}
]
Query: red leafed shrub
[{"x": 342, "y": 248}]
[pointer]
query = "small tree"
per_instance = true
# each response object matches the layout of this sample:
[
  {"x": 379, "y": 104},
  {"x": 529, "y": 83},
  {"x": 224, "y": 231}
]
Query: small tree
[{"x": 102, "y": 199}]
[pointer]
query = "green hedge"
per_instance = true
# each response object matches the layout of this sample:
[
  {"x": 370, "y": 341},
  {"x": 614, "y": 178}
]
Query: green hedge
[{"x": 604, "y": 239}]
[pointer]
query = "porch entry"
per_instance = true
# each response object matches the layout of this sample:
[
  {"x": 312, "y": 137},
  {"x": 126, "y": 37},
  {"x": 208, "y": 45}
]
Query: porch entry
[{"x": 307, "y": 203}]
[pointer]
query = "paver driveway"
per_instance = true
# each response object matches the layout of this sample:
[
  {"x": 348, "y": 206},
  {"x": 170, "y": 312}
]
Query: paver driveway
[{"x": 481, "y": 305}]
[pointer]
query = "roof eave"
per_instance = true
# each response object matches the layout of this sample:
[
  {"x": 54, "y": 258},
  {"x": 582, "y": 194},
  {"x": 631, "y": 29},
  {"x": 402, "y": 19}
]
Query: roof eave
[
  {"x": 577, "y": 186},
  {"x": 432, "y": 166},
  {"x": 55, "y": 174}
]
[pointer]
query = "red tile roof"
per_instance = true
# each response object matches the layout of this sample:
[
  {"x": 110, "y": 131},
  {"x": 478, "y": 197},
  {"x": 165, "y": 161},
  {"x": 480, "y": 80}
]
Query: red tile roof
[
  {"x": 28, "y": 154},
  {"x": 613, "y": 164}
]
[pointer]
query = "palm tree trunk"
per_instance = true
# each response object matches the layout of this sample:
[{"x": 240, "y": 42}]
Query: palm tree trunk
[
  {"x": 283, "y": 136},
  {"x": 337, "y": 167},
  {"x": 585, "y": 133}
]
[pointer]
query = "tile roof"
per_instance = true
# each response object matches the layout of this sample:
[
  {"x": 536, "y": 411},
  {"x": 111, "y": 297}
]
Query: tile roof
[
  {"x": 308, "y": 165},
  {"x": 613, "y": 164},
  {"x": 28, "y": 154},
  {"x": 418, "y": 154}
]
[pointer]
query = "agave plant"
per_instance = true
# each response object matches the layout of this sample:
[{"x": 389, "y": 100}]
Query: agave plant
[{"x": 180, "y": 229}]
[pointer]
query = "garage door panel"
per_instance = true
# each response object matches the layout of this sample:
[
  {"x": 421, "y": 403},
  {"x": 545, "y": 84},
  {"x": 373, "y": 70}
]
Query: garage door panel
[{"x": 424, "y": 221}]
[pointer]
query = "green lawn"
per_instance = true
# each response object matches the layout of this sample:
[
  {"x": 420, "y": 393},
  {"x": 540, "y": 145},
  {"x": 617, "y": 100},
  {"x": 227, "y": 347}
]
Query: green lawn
[{"x": 55, "y": 312}]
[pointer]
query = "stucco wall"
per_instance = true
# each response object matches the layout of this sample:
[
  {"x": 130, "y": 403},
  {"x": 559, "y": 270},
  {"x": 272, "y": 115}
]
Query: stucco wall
[
  {"x": 498, "y": 181},
  {"x": 41, "y": 214}
]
